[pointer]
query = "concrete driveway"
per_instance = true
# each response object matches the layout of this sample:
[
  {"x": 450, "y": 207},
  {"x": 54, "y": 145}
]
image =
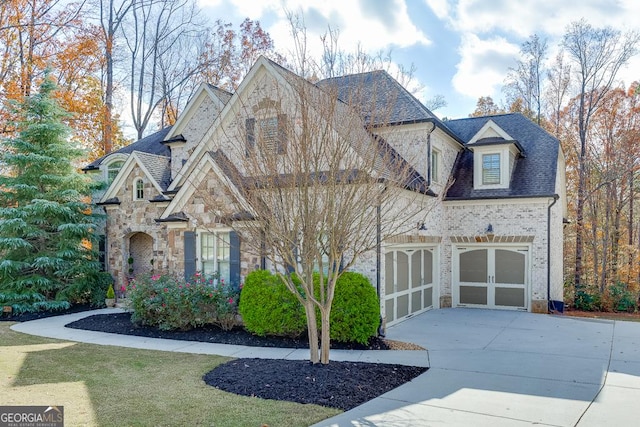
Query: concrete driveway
[{"x": 506, "y": 368}]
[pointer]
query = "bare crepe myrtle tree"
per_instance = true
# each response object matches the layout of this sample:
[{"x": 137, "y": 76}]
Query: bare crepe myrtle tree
[{"x": 313, "y": 185}]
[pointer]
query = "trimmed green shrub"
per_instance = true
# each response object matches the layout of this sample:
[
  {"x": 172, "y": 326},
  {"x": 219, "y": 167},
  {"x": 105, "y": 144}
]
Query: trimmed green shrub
[
  {"x": 621, "y": 298},
  {"x": 170, "y": 303},
  {"x": 110, "y": 293},
  {"x": 587, "y": 300},
  {"x": 267, "y": 307},
  {"x": 355, "y": 312}
]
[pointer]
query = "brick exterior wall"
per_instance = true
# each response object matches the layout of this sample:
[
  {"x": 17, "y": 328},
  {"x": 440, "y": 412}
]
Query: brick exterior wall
[{"x": 447, "y": 224}]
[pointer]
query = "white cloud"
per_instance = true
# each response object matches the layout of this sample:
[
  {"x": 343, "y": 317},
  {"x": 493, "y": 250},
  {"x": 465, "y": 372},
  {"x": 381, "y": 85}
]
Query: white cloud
[
  {"x": 439, "y": 7},
  {"x": 375, "y": 25},
  {"x": 483, "y": 65}
]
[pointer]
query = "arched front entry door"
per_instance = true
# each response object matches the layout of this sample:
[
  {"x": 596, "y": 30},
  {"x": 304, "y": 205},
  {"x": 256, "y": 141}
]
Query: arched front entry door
[{"x": 140, "y": 254}]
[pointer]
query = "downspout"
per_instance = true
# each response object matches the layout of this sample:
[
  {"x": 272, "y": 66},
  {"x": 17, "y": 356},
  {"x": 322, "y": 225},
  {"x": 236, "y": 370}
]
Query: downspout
[
  {"x": 550, "y": 304},
  {"x": 381, "y": 326}
]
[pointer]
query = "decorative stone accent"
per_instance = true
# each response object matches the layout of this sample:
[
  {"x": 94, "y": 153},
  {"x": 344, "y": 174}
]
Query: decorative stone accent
[
  {"x": 413, "y": 239},
  {"x": 445, "y": 301},
  {"x": 488, "y": 238},
  {"x": 539, "y": 306}
]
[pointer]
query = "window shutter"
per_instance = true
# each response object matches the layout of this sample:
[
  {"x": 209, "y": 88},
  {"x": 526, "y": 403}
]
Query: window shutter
[
  {"x": 189, "y": 254},
  {"x": 102, "y": 252},
  {"x": 250, "y": 125},
  {"x": 234, "y": 258},
  {"x": 282, "y": 133}
]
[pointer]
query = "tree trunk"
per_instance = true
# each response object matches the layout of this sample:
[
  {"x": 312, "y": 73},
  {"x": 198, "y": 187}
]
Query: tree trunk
[
  {"x": 312, "y": 330},
  {"x": 108, "y": 98},
  {"x": 325, "y": 336}
]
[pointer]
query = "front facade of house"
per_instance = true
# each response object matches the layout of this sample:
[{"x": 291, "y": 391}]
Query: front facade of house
[{"x": 492, "y": 239}]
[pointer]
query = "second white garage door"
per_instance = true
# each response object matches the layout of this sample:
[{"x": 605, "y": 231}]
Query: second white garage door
[{"x": 491, "y": 277}]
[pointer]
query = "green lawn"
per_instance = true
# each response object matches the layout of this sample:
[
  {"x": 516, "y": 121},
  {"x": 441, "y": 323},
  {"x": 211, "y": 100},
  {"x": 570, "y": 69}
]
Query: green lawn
[{"x": 115, "y": 386}]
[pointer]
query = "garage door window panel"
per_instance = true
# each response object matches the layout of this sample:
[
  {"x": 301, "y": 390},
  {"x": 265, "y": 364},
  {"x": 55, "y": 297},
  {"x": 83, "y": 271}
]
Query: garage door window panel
[{"x": 510, "y": 267}]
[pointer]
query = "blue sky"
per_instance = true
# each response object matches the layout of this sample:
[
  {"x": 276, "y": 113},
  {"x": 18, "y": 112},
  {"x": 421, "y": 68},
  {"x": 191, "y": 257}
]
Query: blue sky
[{"x": 461, "y": 49}]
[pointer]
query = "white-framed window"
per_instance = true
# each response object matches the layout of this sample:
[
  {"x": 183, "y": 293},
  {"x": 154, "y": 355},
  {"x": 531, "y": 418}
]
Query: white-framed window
[
  {"x": 112, "y": 170},
  {"x": 215, "y": 254},
  {"x": 491, "y": 169},
  {"x": 138, "y": 189},
  {"x": 435, "y": 165}
]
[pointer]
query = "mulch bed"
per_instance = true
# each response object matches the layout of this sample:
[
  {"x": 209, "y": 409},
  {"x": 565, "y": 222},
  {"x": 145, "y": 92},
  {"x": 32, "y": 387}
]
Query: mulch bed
[
  {"x": 120, "y": 323},
  {"x": 25, "y": 317},
  {"x": 342, "y": 385}
]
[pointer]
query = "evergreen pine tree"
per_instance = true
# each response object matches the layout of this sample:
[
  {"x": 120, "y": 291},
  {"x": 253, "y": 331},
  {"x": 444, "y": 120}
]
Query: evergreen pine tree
[{"x": 48, "y": 256}]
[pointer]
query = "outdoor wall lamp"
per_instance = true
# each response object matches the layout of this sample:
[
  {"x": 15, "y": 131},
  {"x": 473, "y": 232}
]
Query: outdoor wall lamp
[
  {"x": 421, "y": 226},
  {"x": 489, "y": 229}
]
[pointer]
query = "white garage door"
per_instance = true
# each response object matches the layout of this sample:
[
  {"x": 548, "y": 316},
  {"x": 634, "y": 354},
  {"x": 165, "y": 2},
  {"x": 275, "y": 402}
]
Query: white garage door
[
  {"x": 409, "y": 282},
  {"x": 491, "y": 277}
]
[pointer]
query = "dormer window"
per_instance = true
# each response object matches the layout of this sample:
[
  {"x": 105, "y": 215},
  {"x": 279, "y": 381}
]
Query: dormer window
[
  {"x": 138, "y": 189},
  {"x": 491, "y": 169},
  {"x": 494, "y": 157},
  {"x": 112, "y": 170}
]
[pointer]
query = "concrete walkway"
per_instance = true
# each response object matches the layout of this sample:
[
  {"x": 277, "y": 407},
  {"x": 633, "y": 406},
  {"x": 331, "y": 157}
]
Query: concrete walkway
[{"x": 487, "y": 368}]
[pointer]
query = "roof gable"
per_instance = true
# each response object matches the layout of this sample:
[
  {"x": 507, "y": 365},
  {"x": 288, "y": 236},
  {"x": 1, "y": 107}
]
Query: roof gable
[
  {"x": 154, "y": 167},
  {"x": 231, "y": 107},
  {"x": 217, "y": 95},
  {"x": 212, "y": 162},
  {"x": 490, "y": 130}
]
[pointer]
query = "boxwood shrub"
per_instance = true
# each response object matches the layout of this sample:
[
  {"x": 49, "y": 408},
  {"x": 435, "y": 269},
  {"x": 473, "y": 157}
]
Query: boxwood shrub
[
  {"x": 355, "y": 312},
  {"x": 267, "y": 307}
]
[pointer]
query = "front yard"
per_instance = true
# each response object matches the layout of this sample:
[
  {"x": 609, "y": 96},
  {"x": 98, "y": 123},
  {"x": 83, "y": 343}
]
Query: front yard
[{"x": 114, "y": 386}]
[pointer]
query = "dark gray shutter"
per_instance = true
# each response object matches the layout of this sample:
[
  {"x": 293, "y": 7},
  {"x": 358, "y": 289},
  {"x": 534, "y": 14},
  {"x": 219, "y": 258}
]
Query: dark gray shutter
[
  {"x": 189, "y": 254},
  {"x": 102, "y": 252},
  {"x": 234, "y": 258},
  {"x": 250, "y": 125},
  {"x": 282, "y": 133}
]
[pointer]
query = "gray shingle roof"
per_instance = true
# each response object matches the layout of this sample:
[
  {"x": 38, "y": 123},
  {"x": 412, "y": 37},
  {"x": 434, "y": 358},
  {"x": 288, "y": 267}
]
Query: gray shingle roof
[
  {"x": 381, "y": 98},
  {"x": 158, "y": 166},
  {"x": 151, "y": 144},
  {"x": 534, "y": 175}
]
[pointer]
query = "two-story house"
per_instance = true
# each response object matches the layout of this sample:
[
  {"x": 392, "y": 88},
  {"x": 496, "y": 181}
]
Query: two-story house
[{"x": 493, "y": 239}]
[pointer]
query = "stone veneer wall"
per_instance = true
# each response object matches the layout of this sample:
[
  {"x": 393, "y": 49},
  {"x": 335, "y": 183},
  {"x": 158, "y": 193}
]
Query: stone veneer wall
[{"x": 130, "y": 217}]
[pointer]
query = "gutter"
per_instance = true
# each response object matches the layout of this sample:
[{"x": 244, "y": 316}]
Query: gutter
[{"x": 551, "y": 305}]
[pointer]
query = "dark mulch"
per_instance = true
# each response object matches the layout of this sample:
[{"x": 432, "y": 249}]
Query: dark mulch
[
  {"x": 342, "y": 385},
  {"x": 120, "y": 323},
  {"x": 25, "y": 317}
]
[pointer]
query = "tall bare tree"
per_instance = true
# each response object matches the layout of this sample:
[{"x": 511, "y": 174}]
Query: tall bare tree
[
  {"x": 557, "y": 90},
  {"x": 112, "y": 15},
  {"x": 152, "y": 35},
  {"x": 598, "y": 54},
  {"x": 525, "y": 80},
  {"x": 321, "y": 187}
]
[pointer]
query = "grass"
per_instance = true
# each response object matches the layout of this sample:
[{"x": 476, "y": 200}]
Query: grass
[{"x": 115, "y": 386}]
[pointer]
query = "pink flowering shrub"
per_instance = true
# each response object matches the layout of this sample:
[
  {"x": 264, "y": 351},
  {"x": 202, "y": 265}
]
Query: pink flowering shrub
[{"x": 170, "y": 303}]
